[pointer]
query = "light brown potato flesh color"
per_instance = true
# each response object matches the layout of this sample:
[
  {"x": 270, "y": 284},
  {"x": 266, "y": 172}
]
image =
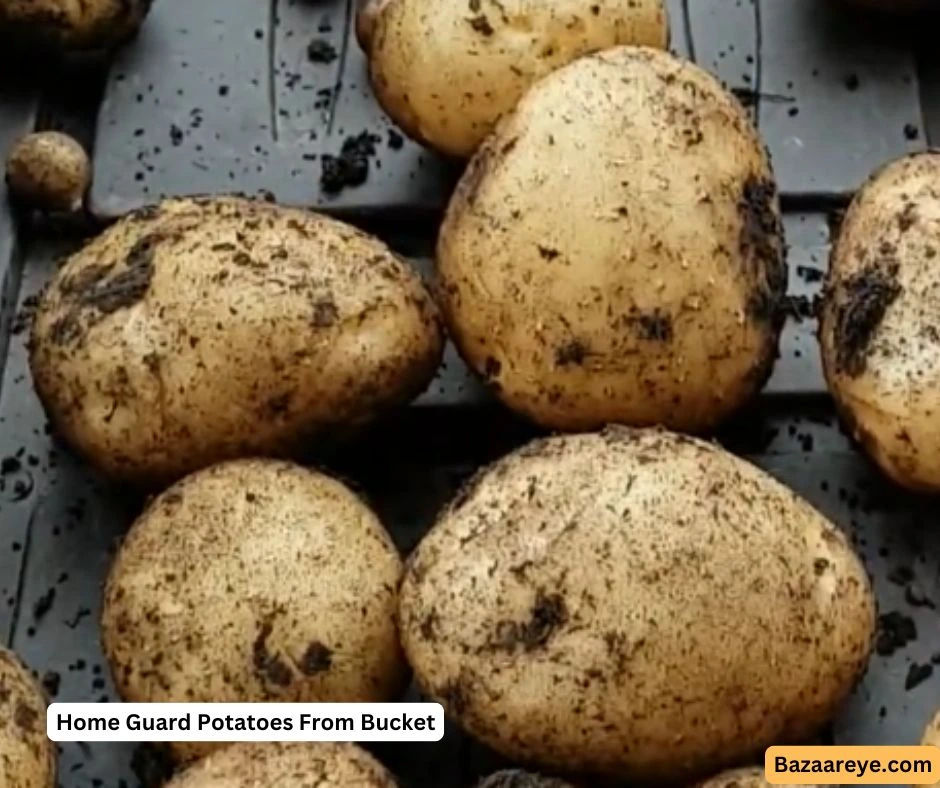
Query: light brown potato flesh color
[
  {"x": 879, "y": 327},
  {"x": 634, "y": 603},
  {"x": 447, "y": 71},
  {"x": 598, "y": 266},
  {"x": 254, "y": 580}
]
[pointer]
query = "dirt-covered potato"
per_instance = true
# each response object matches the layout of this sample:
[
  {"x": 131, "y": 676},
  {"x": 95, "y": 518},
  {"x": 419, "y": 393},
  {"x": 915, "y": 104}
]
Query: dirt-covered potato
[
  {"x": 70, "y": 24},
  {"x": 27, "y": 757},
  {"x": 286, "y": 765},
  {"x": 746, "y": 777},
  {"x": 932, "y": 734},
  {"x": 445, "y": 72},
  {"x": 517, "y": 778},
  {"x": 880, "y": 321},
  {"x": 254, "y": 580},
  {"x": 48, "y": 170},
  {"x": 650, "y": 294},
  {"x": 201, "y": 330},
  {"x": 634, "y": 603}
]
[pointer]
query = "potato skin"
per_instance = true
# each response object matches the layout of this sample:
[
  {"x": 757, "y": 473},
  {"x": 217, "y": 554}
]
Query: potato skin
[
  {"x": 878, "y": 330},
  {"x": 202, "y": 330},
  {"x": 932, "y": 733},
  {"x": 66, "y": 25},
  {"x": 27, "y": 757},
  {"x": 288, "y": 764},
  {"x": 745, "y": 777},
  {"x": 651, "y": 294},
  {"x": 447, "y": 71},
  {"x": 517, "y": 778},
  {"x": 48, "y": 170},
  {"x": 254, "y": 580},
  {"x": 650, "y": 580},
  {"x": 366, "y": 18}
]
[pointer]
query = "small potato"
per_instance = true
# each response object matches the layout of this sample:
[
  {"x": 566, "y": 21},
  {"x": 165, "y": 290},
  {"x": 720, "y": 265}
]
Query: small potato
[
  {"x": 747, "y": 777},
  {"x": 201, "y": 330},
  {"x": 366, "y": 19},
  {"x": 601, "y": 266},
  {"x": 69, "y": 25},
  {"x": 254, "y": 580},
  {"x": 880, "y": 321},
  {"x": 446, "y": 72},
  {"x": 634, "y": 603},
  {"x": 27, "y": 757},
  {"x": 286, "y": 765},
  {"x": 48, "y": 171}
]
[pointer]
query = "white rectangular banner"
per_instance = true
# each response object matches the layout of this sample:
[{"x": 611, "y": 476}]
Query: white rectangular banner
[{"x": 235, "y": 722}]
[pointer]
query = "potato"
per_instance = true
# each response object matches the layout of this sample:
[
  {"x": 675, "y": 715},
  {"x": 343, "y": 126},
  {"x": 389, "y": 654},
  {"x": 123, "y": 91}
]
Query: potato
[
  {"x": 878, "y": 328},
  {"x": 445, "y": 72},
  {"x": 201, "y": 330},
  {"x": 366, "y": 17},
  {"x": 637, "y": 604},
  {"x": 49, "y": 171},
  {"x": 70, "y": 25},
  {"x": 746, "y": 777},
  {"x": 287, "y": 764},
  {"x": 27, "y": 757},
  {"x": 254, "y": 580},
  {"x": 651, "y": 294},
  {"x": 516, "y": 778},
  {"x": 932, "y": 733}
]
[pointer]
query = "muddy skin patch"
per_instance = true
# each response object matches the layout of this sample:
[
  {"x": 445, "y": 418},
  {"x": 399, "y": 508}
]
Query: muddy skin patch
[
  {"x": 761, "y": 239},
  {"x": 25, "y": 718},
  {"x": 655, "y": 327},
  {"x": 97, "y": 288},
  {"x": 861, "y": 303},
  {"x": 547, "y": 615},
  {"x": 454, "y": 696},
  {"x": 270, "y": 668},
  {"x": 325, "y": 313},
  {"x": 317, "y": 659},
  {"x": 573, "y": 352},
  {"x": 482, "y": 25}
]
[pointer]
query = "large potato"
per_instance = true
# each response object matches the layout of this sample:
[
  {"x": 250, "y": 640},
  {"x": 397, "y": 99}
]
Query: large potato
[
  {"x": 254, "y": 580},
  {"x": 286, "y": 765},
  {"x": 201, "y": 330},
  {"x": 72, "y": 24},
  {"x": 634, "y": 603},
  {"x": 600, "y": 265},
  {"x": 879, "y": 326},
  {"x": 447, "y": 71},
  {"x": 27, "y": 757}
]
